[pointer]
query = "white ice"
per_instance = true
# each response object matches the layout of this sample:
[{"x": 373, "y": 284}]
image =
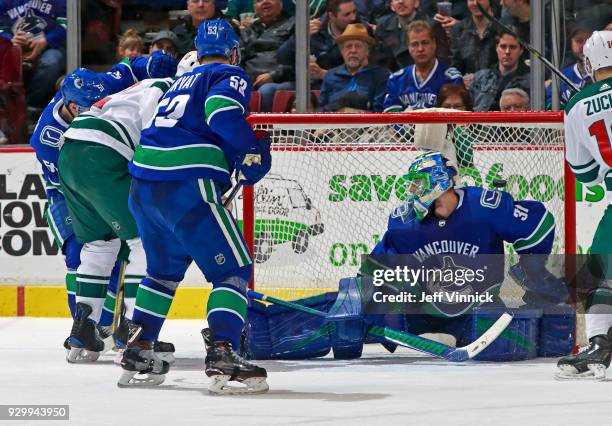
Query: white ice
[{"x": 378, "y": 389}]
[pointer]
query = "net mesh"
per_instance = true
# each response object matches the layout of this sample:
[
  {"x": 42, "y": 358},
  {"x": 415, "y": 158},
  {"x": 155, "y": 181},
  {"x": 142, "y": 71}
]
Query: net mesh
[{"x": 327, "y": 199}]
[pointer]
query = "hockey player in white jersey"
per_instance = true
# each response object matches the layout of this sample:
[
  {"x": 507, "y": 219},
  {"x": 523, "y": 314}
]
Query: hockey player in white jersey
[
  {"x": 588, "y": 141},
  {"x": 94, "y": 175}
]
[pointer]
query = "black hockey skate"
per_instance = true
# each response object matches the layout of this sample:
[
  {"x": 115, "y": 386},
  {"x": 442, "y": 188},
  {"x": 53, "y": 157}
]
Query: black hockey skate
[
  {"x": 224, "y": 365},
  {"x": 126, "y": 331},
  {"x": 84, "y": 341},
  {"x": 590, "y": 363},
  {"x": 139, "y": 358}
]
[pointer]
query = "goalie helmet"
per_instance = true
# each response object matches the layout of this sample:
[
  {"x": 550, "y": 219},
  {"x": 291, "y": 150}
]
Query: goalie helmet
[
  {"x": 217, "y": 37},
  {"x": 598, "y": 51},
  {"x": 188, "y": 63},
  {"x": 83, "y": 88},
  {"x": 427, "y": 179}
]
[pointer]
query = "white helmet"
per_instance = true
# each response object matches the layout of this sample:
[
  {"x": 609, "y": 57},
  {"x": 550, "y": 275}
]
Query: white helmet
[
  {"x": 188, "y": 63},
  {"x": 598, "y": 51}
]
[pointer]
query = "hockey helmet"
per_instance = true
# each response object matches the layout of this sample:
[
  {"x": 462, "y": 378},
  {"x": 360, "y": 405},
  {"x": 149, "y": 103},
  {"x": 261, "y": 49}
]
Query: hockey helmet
[
  {"x": 217, "y": 37},
  {"x": 83, "y": 88},
  {"x": 598, "y": 51},
  {"x": 427, "y": 179},
  {"x": 188, "y": 63}
]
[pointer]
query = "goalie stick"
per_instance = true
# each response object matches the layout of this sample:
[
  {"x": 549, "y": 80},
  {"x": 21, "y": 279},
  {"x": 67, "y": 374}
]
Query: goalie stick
[
  {"x": 529, "y": 48},
  {"x": 410, "y": 340}
]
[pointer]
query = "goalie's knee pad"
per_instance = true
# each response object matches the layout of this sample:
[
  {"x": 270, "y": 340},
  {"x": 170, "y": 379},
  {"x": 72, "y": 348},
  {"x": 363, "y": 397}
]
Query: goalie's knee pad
[{"x": 557, "y": 331}]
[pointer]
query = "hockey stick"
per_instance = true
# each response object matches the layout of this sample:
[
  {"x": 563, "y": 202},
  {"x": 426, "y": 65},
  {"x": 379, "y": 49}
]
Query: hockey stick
[
  {"x": 529, "y": 48},
  {"x": 410, "y": 340},
  {"x": 119, "y": 303},
  {"x": 248, "y": 160}
]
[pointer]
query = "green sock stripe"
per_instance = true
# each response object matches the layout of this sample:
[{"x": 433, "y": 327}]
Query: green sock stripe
[
  {"x": 222, "y": 298},
  {"x": 109, "y": 302},
  {"x": 93, "y": 278},
  {"x": 600, "y": 296},
  {"x": 71, "y": 282},
  {"x": 97, "y": 291},
  {"x": 152, "y": 301},
  {"x": 130, "y": 289}
]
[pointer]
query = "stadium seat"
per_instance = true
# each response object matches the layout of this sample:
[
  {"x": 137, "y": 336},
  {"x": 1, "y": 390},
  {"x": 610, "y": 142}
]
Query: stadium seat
[
  {"x": 255, "y": 102},
  {"x": 12, "y": 93},
  {"x": 280, "y": 103}
]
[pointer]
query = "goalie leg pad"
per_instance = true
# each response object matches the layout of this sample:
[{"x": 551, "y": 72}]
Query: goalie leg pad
[
  {"x": 518, "y": 342},
  {"x": 557, "y": 331}
]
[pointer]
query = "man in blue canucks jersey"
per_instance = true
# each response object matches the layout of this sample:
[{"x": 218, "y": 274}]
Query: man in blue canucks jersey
[
  {"x": 442, "y": 221},
  {"x": 417, "y": 85},
  {"x": 87, "y": 88},
  {"x": 197, "y": 138}
]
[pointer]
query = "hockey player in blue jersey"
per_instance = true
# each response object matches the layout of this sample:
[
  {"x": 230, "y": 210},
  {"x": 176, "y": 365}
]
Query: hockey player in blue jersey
[
  {"x": 79, "y": 91},
  {"x": 198, "y": 137},
  {"x": 440, "y": 218},
  {"x": 417, "y": 85}
]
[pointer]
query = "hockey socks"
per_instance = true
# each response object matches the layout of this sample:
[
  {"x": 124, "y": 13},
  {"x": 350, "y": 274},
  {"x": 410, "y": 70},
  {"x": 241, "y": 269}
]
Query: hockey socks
[
  {"x": 226, "y": 313},
  {"x": 153, "y": 301},
  {"x": 71, "y": 290}
]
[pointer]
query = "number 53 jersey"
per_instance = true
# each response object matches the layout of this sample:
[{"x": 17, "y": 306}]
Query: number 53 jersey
[
  {"x": 588, "y": 134},
  {"x": 199, "y": 128}
]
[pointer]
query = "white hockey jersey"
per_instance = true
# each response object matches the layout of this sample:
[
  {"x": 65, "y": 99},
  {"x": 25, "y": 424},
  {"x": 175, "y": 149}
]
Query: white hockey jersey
[
  {"x": 117, "y": 120},
  {"x": 588, "y": 134}
]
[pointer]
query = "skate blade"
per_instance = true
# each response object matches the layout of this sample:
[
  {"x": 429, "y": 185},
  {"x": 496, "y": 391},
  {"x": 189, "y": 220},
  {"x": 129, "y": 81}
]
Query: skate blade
[
  {"x": 256, "y": 385},
  {"x": 595, "y": 372},
  {"x": 109, "y": 344},
  {"x": 81, "y": 356},
  {"x": 166, "y": 356},
  {"x": 128, "y": 379}
]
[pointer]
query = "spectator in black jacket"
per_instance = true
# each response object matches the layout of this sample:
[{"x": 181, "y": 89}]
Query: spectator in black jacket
[
  {"x": 509, "y": 71},
  {"x": 473, "y": 40},
  {"x": 392, "y": 48},
  {"x": 259, "y": 43},
  {"x": 323, "y": 35}
]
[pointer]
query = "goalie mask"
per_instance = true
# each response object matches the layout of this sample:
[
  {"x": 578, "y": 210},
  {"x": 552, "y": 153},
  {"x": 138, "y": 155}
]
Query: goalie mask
[{"x": 427, "y": 179}]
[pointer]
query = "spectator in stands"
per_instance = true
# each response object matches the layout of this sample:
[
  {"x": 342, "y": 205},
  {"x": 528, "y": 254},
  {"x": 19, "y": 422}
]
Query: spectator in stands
[
  {"x": 356, "y": 74},
  {"x": 130, "y": 44},
  {"x": 509, "y": 72},
  {"x": 514, "y": 99},
  {"x": 235, "y": 8},
  {"x": 579, "y": 34},
  {"x": 259, "y": 44},
  {"x": 417, "y": 85},
  {"x": 454, "y": 96},
  {"x": 199, "y": 11},
  {"x": 39, "y": 28},
  {"x": 518, "y": 14},
  {"x": 323, "y": 35},
  {"x": 392, "y": 49},
  {"x": 473, "y": 41},
  {"x": 166, "y": 41}
]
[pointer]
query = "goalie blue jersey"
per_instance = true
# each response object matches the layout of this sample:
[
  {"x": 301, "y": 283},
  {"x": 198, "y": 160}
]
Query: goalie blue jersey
[
  {"x": 51, "y": 126},
  {"x": 404, "y": 91},
  {"x": 199, "y": 128}
]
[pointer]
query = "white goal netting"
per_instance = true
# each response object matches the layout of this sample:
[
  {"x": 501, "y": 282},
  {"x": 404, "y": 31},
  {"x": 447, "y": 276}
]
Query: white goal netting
[{"x": 327, "y": 198}]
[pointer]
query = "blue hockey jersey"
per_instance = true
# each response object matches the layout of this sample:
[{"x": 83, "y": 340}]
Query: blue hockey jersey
[
  {"x": 199, "y": 128},
  {"x": 51, "y": 126},
  {"x": 482, "y": 221},
  {"x": 404, "y": 91},
  {"x": 36, "y": 17},
  {"x": 565, "y": 93}
]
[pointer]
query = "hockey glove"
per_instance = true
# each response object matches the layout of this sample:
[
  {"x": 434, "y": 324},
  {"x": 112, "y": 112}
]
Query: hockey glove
[
  {"x": 161, "y": 64},
  {"x": 253, "y": 165},
  {"x": 541, "y": 287}
]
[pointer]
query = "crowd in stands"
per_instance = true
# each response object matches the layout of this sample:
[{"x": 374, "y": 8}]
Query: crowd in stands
[{"x": 386, "y": 55}]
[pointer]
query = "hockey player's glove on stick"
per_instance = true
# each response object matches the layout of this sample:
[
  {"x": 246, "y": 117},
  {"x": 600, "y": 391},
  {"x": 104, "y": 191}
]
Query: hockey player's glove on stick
[
  {"x": 410, "y": 340},
  {"x": 531, "y": 49}
]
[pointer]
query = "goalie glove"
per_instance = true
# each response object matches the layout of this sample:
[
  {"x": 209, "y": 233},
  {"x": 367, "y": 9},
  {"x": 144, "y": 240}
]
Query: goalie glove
[
  {"x": 541, "y": 287},
  {"x": 253, "y": 165},
  {"x": 161, "y": 65}
]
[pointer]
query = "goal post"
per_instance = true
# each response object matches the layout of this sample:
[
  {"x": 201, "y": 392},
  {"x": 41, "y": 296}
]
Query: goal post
[{"x": 336, "y": 177}]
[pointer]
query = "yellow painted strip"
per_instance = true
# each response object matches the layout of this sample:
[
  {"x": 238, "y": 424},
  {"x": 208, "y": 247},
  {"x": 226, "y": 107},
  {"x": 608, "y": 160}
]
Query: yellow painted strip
[
  {"x": 44, "y": 301},
  {"x": 189, "y": 302},
  {"x": 8, "y": 301}
]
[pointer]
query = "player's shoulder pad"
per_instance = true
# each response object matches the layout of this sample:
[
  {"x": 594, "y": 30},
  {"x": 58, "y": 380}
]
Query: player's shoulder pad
[
  {"x": 453, "y": 73},
  {"x": 592, "y": 89},
  {"x": 489, "y": 199}
]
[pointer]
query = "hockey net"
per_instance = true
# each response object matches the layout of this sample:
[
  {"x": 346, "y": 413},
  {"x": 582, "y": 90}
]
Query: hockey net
[{"x": 335, "y": 179}]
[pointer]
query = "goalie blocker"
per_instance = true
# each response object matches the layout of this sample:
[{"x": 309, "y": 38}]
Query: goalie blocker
[{"x": 277, "y": 332}]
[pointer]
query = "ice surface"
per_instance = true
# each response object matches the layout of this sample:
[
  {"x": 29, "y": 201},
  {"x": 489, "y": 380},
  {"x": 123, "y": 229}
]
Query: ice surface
[{"x": 378, "y": 389}]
